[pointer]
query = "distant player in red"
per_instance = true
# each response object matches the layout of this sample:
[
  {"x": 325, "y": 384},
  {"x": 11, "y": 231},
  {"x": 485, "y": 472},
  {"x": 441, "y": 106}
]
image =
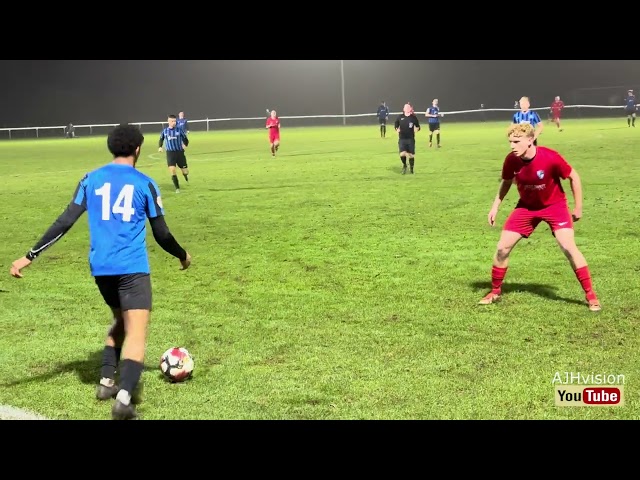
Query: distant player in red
[
  {"x": 537, "y": 171},
  {"x": 556, "y": 111},
  {"x": 273, "y": 125}
]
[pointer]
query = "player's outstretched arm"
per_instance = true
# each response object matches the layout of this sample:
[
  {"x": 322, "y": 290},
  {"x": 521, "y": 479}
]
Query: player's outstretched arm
[
  {"x": 576, "y": 189},
  {"x": 54, "y": 233},
  {"x": 167, "y": 241},
  {"x": 505, "y": 185}
]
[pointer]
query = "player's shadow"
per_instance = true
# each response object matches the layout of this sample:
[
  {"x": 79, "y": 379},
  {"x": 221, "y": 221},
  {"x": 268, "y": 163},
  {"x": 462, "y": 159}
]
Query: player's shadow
[
  {"x": 546, "y": 291},
  {"x": 236, "y": 189},
  {"x": 220, "y": 151},
  {"x": 398, "y": 170},
  {"x": 87, "y": 371},
  {"x": 307, "y": 154}
]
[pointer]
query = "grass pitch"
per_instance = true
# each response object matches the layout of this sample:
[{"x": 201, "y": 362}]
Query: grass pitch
[{"x": 326, "y": 285}]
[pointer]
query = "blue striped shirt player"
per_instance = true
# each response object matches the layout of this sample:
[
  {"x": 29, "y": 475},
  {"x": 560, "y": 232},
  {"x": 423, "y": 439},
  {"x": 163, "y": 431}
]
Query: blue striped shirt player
[
  {"x": 118, "y": 200},
  {"x": 175, "y": 140},
  {"x": 630, "y": 108},
  {"x": 383, "y": 115},
  {"x": 529, "y": 116},
  {"x": 433, "y": 119},
  {"x": 182, "y": 123}
]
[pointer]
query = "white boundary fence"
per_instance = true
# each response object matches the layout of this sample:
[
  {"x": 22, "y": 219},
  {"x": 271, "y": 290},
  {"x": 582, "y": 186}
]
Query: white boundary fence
[{"x": 210, "y": 122}]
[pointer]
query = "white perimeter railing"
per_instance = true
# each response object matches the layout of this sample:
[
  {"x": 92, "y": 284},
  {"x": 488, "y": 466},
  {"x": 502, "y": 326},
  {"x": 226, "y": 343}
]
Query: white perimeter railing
[{"x": 211, "y": 121}]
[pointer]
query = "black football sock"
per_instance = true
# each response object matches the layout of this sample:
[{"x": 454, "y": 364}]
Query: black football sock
[
  {"x": 404, "y": 161},
  {"x": 109, "y": 362},
  {"x": 186, "y": 176},
  {"x": 384, "y": 130},
  {"x": 174, "y": 179},
  {"x": 412, "y": 161},
  {"x": 430, "y": 137},
  {"x": 130, "y": 373},
  {"x": 628, "y": 121},
  {"x": 438, "y": 138}
]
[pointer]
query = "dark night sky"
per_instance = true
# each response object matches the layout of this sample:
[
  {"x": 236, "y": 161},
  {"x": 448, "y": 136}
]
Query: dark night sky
[{"x": 55, "y": 92}]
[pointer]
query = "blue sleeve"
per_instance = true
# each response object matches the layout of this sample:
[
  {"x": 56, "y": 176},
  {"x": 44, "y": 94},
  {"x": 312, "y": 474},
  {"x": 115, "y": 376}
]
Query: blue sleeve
[
  {"x": 515, "y": 115},
  {"x": 537, "y": 117},
  {"x": 153, "y": 200},
  {"x": 80, "y": 195}
]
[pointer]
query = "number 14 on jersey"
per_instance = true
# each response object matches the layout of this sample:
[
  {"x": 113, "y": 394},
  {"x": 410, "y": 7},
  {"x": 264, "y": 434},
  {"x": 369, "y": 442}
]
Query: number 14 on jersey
[{"x": 123, "y": 204}]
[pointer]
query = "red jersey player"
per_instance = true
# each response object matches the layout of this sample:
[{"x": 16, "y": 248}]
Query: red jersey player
[
  {"x": 556, "y": 110},
  {"x": 537, "y": 172},
  {"x": 273, "y": 125}
]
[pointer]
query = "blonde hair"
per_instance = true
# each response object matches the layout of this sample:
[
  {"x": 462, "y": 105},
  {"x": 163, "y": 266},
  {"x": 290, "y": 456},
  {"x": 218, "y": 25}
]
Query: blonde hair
[{"x": 520, "y": 130}]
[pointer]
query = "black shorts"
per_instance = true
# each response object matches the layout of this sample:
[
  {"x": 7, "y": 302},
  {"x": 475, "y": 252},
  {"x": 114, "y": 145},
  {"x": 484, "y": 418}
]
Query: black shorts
[
  {"x": 176, "y": 158},
  {"x": 434, "y": 126},
  {"x": 126, "y": 292},
  {"x": 383, "y": 121},
  {"x": 630, "y": 111},
  {"x": 407, "y": 145}
]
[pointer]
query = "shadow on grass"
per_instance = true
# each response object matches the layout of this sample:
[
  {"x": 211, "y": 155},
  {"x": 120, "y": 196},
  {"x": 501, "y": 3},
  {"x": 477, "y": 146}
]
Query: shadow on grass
[
  {"x": 237, "y": 189},
  {"x": 306, "y": 154},
  {"x": 219, "y": 152},
  {"x": 546, "y": 291},
  {"x": 87, "y": 371}
]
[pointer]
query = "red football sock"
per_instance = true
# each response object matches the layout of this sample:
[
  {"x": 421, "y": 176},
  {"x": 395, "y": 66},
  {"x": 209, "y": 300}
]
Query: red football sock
[
  {"x": 497, "y": 277},
  {"x": 584, "y": 277}
]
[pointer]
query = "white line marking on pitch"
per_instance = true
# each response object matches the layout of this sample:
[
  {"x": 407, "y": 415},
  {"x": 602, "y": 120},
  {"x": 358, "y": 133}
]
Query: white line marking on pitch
[{"x": 12, "y": 413}]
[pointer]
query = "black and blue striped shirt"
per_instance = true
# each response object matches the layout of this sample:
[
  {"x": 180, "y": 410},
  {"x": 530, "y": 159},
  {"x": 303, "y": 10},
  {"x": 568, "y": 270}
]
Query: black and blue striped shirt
[
  {"x": 434, "y": 111},
  {"x": 630, "y": 102},
  {"x": 182, "y": 124},
  {"x": 173, "y": 138},
  {"x": 527, "y": 117},
  {"x": 383, "y": 111}
]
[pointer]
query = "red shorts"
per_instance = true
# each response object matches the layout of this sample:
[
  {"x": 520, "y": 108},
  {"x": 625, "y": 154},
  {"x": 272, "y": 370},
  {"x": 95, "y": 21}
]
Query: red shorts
[
  {"x": 524, "y": 221},
  {"x": 274, "y": 136},
  {"x": 556, "y": 116}
]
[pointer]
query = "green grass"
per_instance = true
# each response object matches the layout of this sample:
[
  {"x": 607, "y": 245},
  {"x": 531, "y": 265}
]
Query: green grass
[{"x": 326, "y": 285}]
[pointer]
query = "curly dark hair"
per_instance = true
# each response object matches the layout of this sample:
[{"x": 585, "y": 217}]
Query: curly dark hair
[{"x": 124, "y": 139}]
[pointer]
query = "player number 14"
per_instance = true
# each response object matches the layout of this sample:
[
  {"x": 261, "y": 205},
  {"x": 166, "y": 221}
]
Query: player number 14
[{"x": 122, "y": 205}]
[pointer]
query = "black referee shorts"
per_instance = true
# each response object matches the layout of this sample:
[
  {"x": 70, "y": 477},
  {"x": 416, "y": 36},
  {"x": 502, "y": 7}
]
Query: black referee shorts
[
  {"x": 407, "y": 145},
  {"x": 176, "y": 159},
  {"x": 126, "y": 292}
]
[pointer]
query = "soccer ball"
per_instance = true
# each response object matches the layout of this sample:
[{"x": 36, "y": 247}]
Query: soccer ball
[{"x": 176, "y": 364}]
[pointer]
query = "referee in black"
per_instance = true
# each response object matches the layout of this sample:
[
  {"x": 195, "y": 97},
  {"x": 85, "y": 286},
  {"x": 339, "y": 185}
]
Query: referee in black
[
  {"x": 407, "y": 125},
  {"x": 175, "y": 140}
]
